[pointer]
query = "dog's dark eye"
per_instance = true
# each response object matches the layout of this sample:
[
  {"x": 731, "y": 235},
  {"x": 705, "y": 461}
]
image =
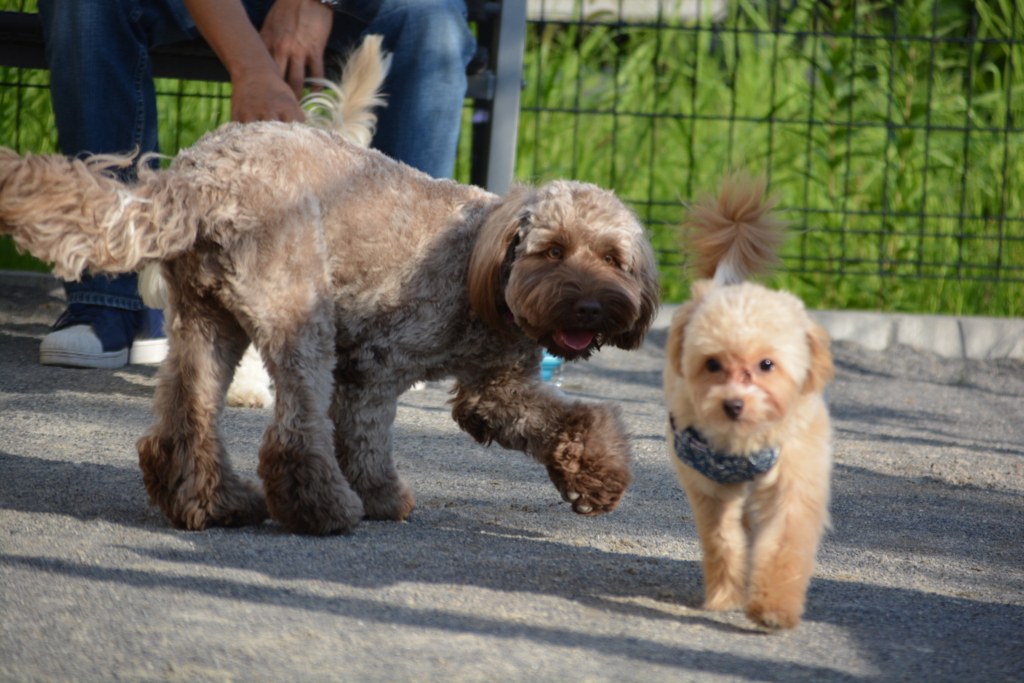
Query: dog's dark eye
[
  {"x": 610, "y": 260},
  {"x": 766, "y": 365},
  {"x": 712, "y": 365},
  {"x": 555, "y": 253}
]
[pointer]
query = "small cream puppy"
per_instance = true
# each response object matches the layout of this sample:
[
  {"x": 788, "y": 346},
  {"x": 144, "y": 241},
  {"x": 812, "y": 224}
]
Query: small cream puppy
[{"x": 749, "y": 432}]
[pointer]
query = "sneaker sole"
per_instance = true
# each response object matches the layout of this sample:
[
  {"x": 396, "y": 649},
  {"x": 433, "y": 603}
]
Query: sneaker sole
[
  {"x": 104, "y": 361},
  {"x": 148, "y": 352}
]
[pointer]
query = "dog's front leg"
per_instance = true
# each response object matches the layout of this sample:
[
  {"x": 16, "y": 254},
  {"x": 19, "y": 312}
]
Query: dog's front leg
[
  {"x": 718, "y": 516},
  {"x": 788, "y": 514},
  {"x": 583, "y": 445}
]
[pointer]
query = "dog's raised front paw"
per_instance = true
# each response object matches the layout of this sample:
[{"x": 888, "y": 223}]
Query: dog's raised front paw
[{"x": 589, "y": 460}]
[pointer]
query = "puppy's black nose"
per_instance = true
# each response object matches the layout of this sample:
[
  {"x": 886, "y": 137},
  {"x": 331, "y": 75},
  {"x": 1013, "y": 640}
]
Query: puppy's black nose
[
  {"x": 587, "y": 311},
  {"x": 733, "y": 408}
]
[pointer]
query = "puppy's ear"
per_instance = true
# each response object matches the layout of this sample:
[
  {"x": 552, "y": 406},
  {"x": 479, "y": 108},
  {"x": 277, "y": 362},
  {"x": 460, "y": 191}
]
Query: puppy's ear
[
  {"x": 492, "y": 244},
  {"x": 676, "y": 336},
  {"x": 821, "y": 371},
  {"x": 644, "y": 269}
]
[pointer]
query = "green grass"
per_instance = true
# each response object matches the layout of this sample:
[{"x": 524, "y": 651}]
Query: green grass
[{"x": 897, "y": 160}]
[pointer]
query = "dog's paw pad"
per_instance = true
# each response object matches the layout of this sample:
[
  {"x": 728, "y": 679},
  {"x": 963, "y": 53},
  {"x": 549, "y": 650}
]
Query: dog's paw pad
[{"x": 589, "y": 495}]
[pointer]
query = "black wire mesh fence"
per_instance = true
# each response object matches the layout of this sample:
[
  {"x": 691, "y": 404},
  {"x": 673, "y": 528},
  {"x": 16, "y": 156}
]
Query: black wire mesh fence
[{"x": 892, "y": 132}]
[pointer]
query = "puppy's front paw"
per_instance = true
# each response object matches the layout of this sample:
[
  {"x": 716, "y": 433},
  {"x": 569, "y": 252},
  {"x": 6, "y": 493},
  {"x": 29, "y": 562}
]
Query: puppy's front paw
[
  {"x": 723, "y": 599},
  {"x": 774, "y": 616},
  {"x": 588, "y": 462}
]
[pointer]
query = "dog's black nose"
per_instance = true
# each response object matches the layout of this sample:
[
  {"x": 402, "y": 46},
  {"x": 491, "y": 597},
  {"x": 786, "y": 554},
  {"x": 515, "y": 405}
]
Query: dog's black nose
[
  {"x": 733, "y": 408},
  {"x": 587, "y": 311}
]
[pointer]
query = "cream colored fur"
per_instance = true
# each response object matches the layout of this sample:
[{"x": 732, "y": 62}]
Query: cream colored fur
[
  {"x": 746, "y": 367},
  {"x": 355, "y": 276}
]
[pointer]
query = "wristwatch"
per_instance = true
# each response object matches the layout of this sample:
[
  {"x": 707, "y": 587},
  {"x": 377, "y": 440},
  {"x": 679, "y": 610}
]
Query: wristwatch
[{"x": 333, "y": 4}]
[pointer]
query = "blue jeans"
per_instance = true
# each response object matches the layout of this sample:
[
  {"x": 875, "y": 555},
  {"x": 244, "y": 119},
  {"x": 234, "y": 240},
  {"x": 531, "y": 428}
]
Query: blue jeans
[{"x": 104, "y": 99}]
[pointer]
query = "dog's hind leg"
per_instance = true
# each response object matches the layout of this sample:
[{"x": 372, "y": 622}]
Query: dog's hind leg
[
  {"x": 583, "y": 445},
  {"x": 305, "y": 488},
  {"x": 363, "y": 415},
  {"x": 184, "y": 465}
]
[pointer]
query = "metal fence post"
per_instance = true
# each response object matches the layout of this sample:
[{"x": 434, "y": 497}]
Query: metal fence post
[{"x": 496, "y": 121}]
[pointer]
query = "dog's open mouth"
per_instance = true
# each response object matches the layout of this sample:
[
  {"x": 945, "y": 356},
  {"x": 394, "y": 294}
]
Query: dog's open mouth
[{"x": 577, "y": 340}]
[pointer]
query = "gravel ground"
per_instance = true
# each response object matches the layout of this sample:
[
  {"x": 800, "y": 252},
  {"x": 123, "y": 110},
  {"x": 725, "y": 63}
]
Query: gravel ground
[{"x": 493, "y": 578}]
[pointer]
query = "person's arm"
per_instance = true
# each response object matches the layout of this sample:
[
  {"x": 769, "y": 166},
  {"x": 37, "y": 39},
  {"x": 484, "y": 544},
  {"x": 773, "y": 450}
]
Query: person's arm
[{"x": 259, "y": 92}]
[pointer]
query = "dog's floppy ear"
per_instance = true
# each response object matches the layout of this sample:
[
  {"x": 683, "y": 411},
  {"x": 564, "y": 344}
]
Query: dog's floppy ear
[
  {"x": 821, "y": 371},
  {"x": 677, "y": 331},
  {"x": 492, "y": 244},
  {"x": 680, "y": 319},
  {"x": 644, "y": 268}
]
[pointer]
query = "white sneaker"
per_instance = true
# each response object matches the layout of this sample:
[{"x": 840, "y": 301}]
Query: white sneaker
[
  {"x": 148, "y": 351},
  {"x": 79, "y": 347},
  {"x": 150, "y": 345}
]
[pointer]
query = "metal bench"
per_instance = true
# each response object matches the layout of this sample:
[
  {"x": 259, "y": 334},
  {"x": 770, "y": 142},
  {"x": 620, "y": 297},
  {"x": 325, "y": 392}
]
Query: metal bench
[{"x": 495, "y": 76}]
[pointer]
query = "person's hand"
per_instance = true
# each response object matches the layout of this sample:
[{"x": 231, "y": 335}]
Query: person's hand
[
  {"x": 259, "y": 92},
  {"x": 296, "y": 33},
  {"x": 261, "y": 95}
]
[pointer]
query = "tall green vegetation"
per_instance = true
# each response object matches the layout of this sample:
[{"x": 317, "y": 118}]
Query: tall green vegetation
[{"x": 892, "y": 132}]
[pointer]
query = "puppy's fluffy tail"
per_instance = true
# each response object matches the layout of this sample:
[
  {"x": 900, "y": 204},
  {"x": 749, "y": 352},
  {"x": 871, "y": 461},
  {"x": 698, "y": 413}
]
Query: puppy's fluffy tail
[
  {"x": 74, "y": 214},
  {"x": 734, "y": 235},
  {"x": 347, "y": 107}
]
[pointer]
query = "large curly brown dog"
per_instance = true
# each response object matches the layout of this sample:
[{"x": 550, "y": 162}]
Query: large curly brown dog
[{"x": 355, "y": 276}]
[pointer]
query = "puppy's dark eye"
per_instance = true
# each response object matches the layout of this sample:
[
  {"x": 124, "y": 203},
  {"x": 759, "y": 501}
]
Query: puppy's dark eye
[
  {"x": 555, "y": 253},
  {"x": 766, "y": 365},
  {"x": 712, "y": 365},
  {"x": 610, "y": 260}
]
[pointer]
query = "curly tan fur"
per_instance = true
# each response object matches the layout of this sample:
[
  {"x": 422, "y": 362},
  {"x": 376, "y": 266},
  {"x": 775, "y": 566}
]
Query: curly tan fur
[
  {"x": 355, "y": 276},
  {"x": 347, "y": 108},
  {"x": 70, "y": 203},
  {"x": 746, "y": 367}
]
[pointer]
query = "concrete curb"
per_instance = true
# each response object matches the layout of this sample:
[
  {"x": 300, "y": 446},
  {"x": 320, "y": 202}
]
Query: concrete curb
[{"x": 947, "y": 336}]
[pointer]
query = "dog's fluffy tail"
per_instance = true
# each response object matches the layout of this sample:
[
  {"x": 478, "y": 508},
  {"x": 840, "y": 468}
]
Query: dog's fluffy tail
[
  {"x": 76, "y": 215},
  {"x": 347, "y": 108},
  {"x": 734, "y": 235}
]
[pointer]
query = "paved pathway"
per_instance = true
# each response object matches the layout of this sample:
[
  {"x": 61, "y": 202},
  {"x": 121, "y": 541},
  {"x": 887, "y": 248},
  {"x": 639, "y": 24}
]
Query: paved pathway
[{"x": 492, "y": 578}]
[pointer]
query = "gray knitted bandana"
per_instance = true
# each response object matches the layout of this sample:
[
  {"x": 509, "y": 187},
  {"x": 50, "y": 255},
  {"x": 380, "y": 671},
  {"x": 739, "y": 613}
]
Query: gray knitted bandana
[{"x": 693, "y": 450}]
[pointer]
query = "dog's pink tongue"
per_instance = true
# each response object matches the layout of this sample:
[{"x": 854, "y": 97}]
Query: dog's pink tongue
[{"x": 577, "y": 341}]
